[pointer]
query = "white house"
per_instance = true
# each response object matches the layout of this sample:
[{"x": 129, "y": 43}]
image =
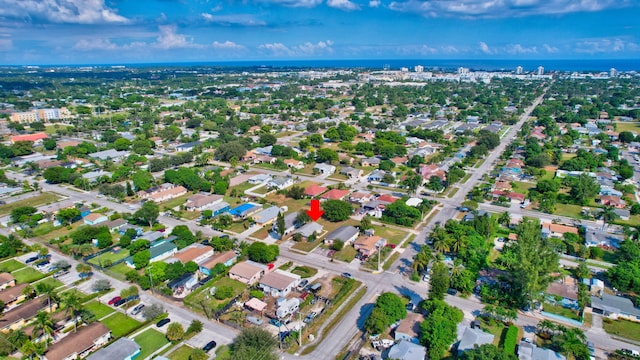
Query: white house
[{"x": 279, "y": 283}]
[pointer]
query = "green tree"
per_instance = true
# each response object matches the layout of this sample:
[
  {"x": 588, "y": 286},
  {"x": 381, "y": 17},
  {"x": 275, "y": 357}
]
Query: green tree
[
  {"x": 439, "y": 328},
  {"x": 440, "y": 281},
  {"x": 198, "y": 354},
  {"x": 573, "y": 343},
  {"x": 22, "y": 213},
  {"x": 141, "y": 259},
  {"x": 49, "y": 144},
  {"x": 263, "y": 253},
  {"x": 148, "y": 213},
  {"x": 337, "y": 210},
  {"x": 175, "y": 332},
  {"x": 43, "y": 325},
  {"x": 254, "y": 343},
  {"x": 280, "y": 224},
  {"x": 486, "y": 352},
  {"x": 66, "y": 216},
  {"x": 142, "y": 180},
  {"x": 296, "y": 192},
  {"x": 584, "y": 189},
  {"x": 326, "y": 155},
  {"x": 73, "y": 304},
  {"x": 47, "y": 290},
  {"x": 195, "y": 327}
]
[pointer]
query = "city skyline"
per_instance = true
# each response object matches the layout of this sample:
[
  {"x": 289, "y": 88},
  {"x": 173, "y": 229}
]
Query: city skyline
[{"x": 147, "y": 31}]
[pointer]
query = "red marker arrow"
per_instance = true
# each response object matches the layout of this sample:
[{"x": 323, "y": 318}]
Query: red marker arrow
[{"x": 315, "y": 211}]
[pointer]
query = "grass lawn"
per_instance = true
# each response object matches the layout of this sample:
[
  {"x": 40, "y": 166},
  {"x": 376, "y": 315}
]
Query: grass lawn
[
  {"x": 150, "y": 341},
  {"x": 242, "y": 187},
  {"x": 43, "y": 229},
  {"x": 496, "y": 328},
  {"x": 262, "y": 190},
  {"x": 239, "y": 227},
  {"x": 628, "y": 126},
  {"x": 43, "y": 198},
  {"x": 194, "y": 299},
  {"x": 291, "y": 204},
  {"x": 27, "y": 275},
  {"x": 121, "y": 268},
  {"x": 110, "y": 256},
  {"x": 305, "y": 271},
  {"x": 181, "y": 353},
  {"x": 393, "y": 236},
  {"x": 51, "y": 281},
  {"x": 190, "y": 215},
  {"x": 522, "y": 187},
  {"x": 624, "y": 328},
  {"x": 120, "y": 324},
  {"x": 568, "y": 210},
  {"x": 387, "y": 264},
  {"x": 170, "y": 204},
  {"x": 262, "y": 233},
  {"x": 347, "y": 254},
  {"x": 562, "y": 311},
  {"x": 11, "y": 265},
  {"x": 98, "y": 309},
  {"x": 307, "y": 246}
]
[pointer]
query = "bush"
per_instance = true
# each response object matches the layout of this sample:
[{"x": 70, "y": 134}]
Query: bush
[
  {"x": 256, "y": 294},
  {"x": 337, "y": 245},
  {"x": 510, "y": 339},
  {"x": 223, "y": 292},
  {"x": 195, "y": 327}
]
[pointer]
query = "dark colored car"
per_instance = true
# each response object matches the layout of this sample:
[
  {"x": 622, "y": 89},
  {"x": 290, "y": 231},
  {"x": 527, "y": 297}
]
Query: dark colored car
[
  {"x": 85, "y": 275},
  {"x": 136, "y": 310},
  {"x": 163, "y": 322},
  {"x": 452, "y": 291},
  {"x": 114, "y": 300},
  {"x": 31, "y": 259},
  {"x": 347, "y": 275},
  {"x": 210, "y": 345},
  {"x": 119, "y": 302}
]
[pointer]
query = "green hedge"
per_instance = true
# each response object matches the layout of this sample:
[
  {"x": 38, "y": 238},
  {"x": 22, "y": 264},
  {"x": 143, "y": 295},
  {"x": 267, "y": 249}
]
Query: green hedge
[{"x": 510, "y": 339}]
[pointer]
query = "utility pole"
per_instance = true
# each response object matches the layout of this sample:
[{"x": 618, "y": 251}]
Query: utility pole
[
  {"x": 151, "y": 282},
  {"x": 299, "y": 332}
]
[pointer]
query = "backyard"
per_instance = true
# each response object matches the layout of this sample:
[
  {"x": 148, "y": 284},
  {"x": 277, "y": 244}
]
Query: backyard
[
  {"x": 150, "y": 341},
  {"x": 98, "y": 309},
  {"x": 197, "y": 299},
  {"x": 109, "y": 257},
  {"x": 120, "y": 324}
]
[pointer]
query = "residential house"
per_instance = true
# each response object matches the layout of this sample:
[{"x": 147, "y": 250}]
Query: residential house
[
  {"x": 368, "y": 245},
  {"x": 266, "y": 216},
  {"x": 290, "y": 223},
  {"x": 407, "y": 350},
  {"x": 286, "y": 307},
  {"x": 615, "y": 307},
  {"x": 6, "y": 281},
  {"x": 529, "y": 351},
  {"x": 399, "y": 160},
  {"x": 347, "y": 234},
  {"x": 199, "y": 202},
  {"x": 279, "y": 283},
  {"x": 186, "y": 281},
  {"x": 227, "y": 258},
  {"x": 123, "y": 348},
  {"x": 351, "y": 173},
  {"x": 36, "y": 138},
  {"x": 566, "y": 289},
  {"x": 557, "y": 230},
  {"x": 17, "y": 317},
  {"x": 376, "y": 175},
  {"x": 314, "y": 190},
  {"x": 247, "y": 272},
  {"x": 335, "y": 194},
  {"x": 95, "y": 218},
  {"x": 13, "y": 295},
  {"x": 249, "y": 156},
  {"x": 151, "y": 236},
  {"x": 386, "y": 199},
  {"x": 254, "y": 304},
  {"x": 428, "y": 171},
  {"x": 612, "y": 201},
  {"x": 79, "y": 344},
  {"x": 325, "y": 169},
  {"x": 159, "y": 252},
  {"x": 409, "y": 328},
  {"x": 623, "y": 214},
  {"x": 472, "y": 338},
  {"x": 370, "y": 162},
  {"x": 309, "y": 229},
  {"x": 95, "y": 176},
  {"x": 294, "y": 164},
  {"x": 264, "y": 159},
  {"x": 514, "y": 197},
  {"x": 259, "y": 179},
  {"x": 280, "y": 182},
  {"x": 187, "y": 147},
  {"x": 115, "y": 225},
  {"x": 244, "y": 211},
  {"x": 168, "y": 194},
  {"x": 194, "y": 252},
  {"x": 470, "y": 216},
  {"x": 111, "y": 154},
  {"x": 502, "y": 186},
  {"x": 360, "y": 197}
]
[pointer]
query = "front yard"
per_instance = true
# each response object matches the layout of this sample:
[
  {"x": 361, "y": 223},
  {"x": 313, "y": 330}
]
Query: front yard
[
  {"x": 11, "y": 265},
  {"x": 43, "y": 198},
  {"x": 624, "y": 328},
  {"x": 27, "y": 275},
  {"x": 109, "y": 257},
  {"x": 201, "y": 298},
  {"x": 150, "y": 341},
  {"x": 181, "y": 353},
  {"x": 562, "y": 311},
  {"x": 120, "y": 324},
  {"x": 98, "y": 309}
]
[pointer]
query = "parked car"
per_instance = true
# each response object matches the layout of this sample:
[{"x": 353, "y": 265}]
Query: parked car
[
  {"x": 114, "y": 300},
  {"x": 312, "y": 315},
  {"x": 163, "y": 322},
  {"x": 452, "y": 291},
  {"x": 119, "y": 302},
  {"x": 137, "y": 310},
  {"x": 210, "y": 345},
  {"x": 347, "y": 275},
  {"x": 41, "y": 265},
  {"x": 31, "y": 259},
  {"x": 410, "y": 307},
  {"x": 45, "y": 256},
  {"x": 275, "y": 322},
  {"x": 302, "y": 284},
  {"x": 60, "y": 273},
  {"x": 85, "y": 275},
  {"x": 132, "y": 297},
  {"x": 254, "y": 320}
]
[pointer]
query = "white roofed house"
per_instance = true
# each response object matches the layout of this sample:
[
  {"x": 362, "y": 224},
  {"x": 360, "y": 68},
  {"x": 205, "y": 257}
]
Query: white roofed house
[
  {"x": 290, "y": 222},
  {"x": 199, "y": 202},
  {"x": 280, "y": 182},
  {"x": 247, "y": 272},
  {"x": 347, "y": 234},
  {"x": 266, "y": 216},
  {"x": 279, "y": 283},
  {"x": 110, "y": 154},
  {"x": 309, "y": 229},
  {"x": 325, "y": 169}
]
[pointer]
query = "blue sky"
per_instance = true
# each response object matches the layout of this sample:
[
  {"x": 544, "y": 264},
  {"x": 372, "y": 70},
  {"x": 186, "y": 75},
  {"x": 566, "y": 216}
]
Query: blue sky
[{"x": 132, "y": 31}]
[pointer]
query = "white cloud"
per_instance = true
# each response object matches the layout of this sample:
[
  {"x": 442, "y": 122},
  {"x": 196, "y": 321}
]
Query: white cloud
[
  {"x": 550, "y": 49},
  {"x": 485, "y": 48},
  {"x": 168, "y": 38},
  {"x": 294, "y": 3},
  {"x": 62, "y": 11},
  {"x": 450, "y": 49},
  {"x": 228, "y": 45},
  {"x": 593, "y": 46},
  {"x": 6, "y": 44},
  {"x": 94, "y": 44},
  {"x": 503, "y": 8},
  {"x": 305, "y": 49},
  {"x": 236, "y": 19},
  {"x": 519, "y": 49},
  {"x": 374, "y": 3},
  {"x": 343, "y": 5}
]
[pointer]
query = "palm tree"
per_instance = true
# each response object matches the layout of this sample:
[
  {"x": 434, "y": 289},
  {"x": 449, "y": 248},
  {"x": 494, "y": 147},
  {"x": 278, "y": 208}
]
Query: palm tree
[
  {"x": 504, "y": 219},
  {"x": 43, "y": 325},
  {"x": 422, "y": 259},
  {"x": 73, "y": 304},
  {"x": 441, "y": 245},
  {"x": 458, "y": 243},
  {"x": 546, "y": 326},
  {"x": 29, "y": 292},
  {"x": 49, "y": 291},
  {"x": 29, "y": 349},
  {"x": 574, "y": 343},
  {"x": 608, "y": 215}
]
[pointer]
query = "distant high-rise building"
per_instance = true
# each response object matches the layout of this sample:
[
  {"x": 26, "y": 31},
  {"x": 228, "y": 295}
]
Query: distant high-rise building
[
  {"x": 418, "y": 68},
  {"x": 462, "y": 70},
  {"x": 613, "y": 72},
  {"x": 540, "y": 71},
  {"x": 519, "y": 70},
  {"x": 404, "y": 69}
]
